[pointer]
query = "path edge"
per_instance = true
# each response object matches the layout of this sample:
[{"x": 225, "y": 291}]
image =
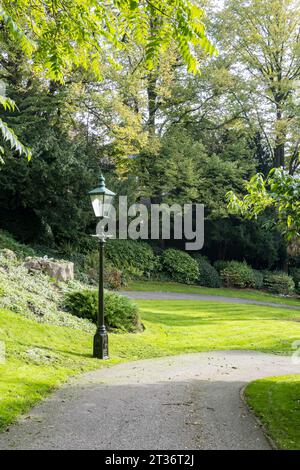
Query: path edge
[{"x": 257, "y": 419}]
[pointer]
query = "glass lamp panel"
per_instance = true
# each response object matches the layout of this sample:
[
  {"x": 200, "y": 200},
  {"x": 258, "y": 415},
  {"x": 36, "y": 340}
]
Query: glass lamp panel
[
  {"x": 107, "y": 205},
  {"x": 98, "y": 205}
]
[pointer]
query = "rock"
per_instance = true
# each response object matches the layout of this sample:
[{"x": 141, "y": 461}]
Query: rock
[
  {"x": 33, "y": 264},
  {"x": 9, "y": 254},
  {"x": 61, "y": 271}
]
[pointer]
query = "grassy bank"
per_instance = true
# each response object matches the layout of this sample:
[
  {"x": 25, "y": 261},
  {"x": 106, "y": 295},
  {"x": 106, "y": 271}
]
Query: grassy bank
[
  {"x": 38, "y": 358},
  {"x": 164, "y": 286},
  {"x": 41, "y": 356},
  {"x": 276, "y": 401}
]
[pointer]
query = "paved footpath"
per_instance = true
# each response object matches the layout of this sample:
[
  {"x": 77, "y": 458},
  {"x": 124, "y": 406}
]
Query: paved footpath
[
  {"x": 210, "y": 298},
  {"x": 183, "y": 402}
]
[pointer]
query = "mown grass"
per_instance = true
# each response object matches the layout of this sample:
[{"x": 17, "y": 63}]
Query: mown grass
[
  {"x": 276, "y": 401},
  {"x": 166, "y": 286},
  {"x": 41, "y": 356},
  {"x": 38, "y": 358}
]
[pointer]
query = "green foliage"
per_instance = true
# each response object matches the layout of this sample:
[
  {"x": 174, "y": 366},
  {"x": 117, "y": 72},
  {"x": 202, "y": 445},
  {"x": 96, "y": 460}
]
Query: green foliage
[
  {"x": 82, "y": 33},
  {"x": 120, "y": 312},
  {"x": 55, "y": 38},
  {"x": 258, "y": 279},
  {"x": 135, "y": 258},
  {"x": 217, "y": 175},
  {"x": 295, "y": 273},
  {"x": 113, "y": 277},
  {"x": 8, "y": 242},
  {"x": 279, "y": 283},
  {"x": 280, "y": 191},
  {"x": 185, "y": 170},
  {"x": 8, "y": 134},
  {"x": 208, "y": 275},
  {"x": 58, "y": 210},
  {"x": 180, "y": 266},
  {"x": 171, "y": 175},
  {"x": 16, "y": 32},
  {"x": 262, "y": 37},
  {"x": 220, "y": 264},
  {"x": 237, "y": 274},
  {"x": 233, "y": 238},
  {"x": 34, "y": 296}
]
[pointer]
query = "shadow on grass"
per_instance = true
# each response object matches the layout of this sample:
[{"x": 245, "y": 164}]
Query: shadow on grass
[{"x": 22, "y": 394}]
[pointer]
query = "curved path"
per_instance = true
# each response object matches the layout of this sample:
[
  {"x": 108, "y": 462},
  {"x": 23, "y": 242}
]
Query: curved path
[
  {"x": 183, "y": 402},
  {"x": 210, "y": 298}
]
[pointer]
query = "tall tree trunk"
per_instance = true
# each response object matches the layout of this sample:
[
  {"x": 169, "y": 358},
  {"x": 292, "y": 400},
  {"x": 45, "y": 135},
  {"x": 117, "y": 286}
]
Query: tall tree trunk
[
  {"x": 279, "y": 154},
  {"x": 152, "y": 102},
  {"x": 279, "y": 150}
]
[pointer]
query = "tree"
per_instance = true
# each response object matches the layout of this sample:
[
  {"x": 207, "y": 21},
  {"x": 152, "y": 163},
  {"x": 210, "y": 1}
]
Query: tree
[
  {"x": 63, "y": 34},
  {"x": 279, "y": 191},
  {"x": 46, "y": 199},
  {"x": 265, "y": 42},
  {"x": 170, "y": 174},
  {"x": 185, "y": 169}
]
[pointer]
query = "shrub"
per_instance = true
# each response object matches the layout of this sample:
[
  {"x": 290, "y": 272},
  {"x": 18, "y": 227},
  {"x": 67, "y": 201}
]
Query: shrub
[
  {"x": 220, "y": 265},
  {"x": 120, "y": 312},
  {"x": 237, "y": 274},
  {"x": 181, "y": 266},
  {"x": 113, "y": 277},
  {"x": 258, "y": 279},
  {"x": 295, "y": 273},
  {"x": 135, "y": 258},
  {"x": 208, "y": 275},
  {"x": 279, "y": 283}
]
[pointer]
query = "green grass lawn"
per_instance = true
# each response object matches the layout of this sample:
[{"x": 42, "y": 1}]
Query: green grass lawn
[
  {"x": 276, "y": 400},
  {"x": 41, "y": 356},
  {"x": 164, "y": 286}
]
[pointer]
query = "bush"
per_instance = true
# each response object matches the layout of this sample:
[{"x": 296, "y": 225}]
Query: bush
[
  {"x": 181, "y": 266},
  {"x": 237, "y": 274},
  {"x": 208, "y": 275},
  {"x": 135, "y": 258},
  {"x": 220, "y": 265},
  {"x": 113, "y": 277},
  {"x": 120, "y": 312},
  {"x": 295, "y": 273},
  {"x": 258, "y": 279},
  {"x": 279, "y": 283}
]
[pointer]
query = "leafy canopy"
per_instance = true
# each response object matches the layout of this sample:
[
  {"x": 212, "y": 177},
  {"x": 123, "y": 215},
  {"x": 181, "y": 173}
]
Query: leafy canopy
[
  {"x": 62, "y": 33},
  {"x": 58, "y": 35}
]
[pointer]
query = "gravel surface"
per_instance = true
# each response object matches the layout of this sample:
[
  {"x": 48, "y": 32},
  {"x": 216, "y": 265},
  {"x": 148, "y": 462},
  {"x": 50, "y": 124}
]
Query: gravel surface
[
  {"x": 210, "y": 298},
  {"x": 183, "y": 402}
]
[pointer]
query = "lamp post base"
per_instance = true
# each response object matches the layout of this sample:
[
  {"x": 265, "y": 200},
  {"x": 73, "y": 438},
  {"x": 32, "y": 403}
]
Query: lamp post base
[{"x": 101, "y": 345}]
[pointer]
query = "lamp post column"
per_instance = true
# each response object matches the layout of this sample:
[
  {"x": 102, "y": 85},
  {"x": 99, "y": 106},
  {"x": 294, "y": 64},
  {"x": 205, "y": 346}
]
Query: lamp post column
[{"x": 101, "y": 337}]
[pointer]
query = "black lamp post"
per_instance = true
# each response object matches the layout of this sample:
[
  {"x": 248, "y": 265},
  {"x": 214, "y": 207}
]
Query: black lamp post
[{"x": 102, "y": 199}]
